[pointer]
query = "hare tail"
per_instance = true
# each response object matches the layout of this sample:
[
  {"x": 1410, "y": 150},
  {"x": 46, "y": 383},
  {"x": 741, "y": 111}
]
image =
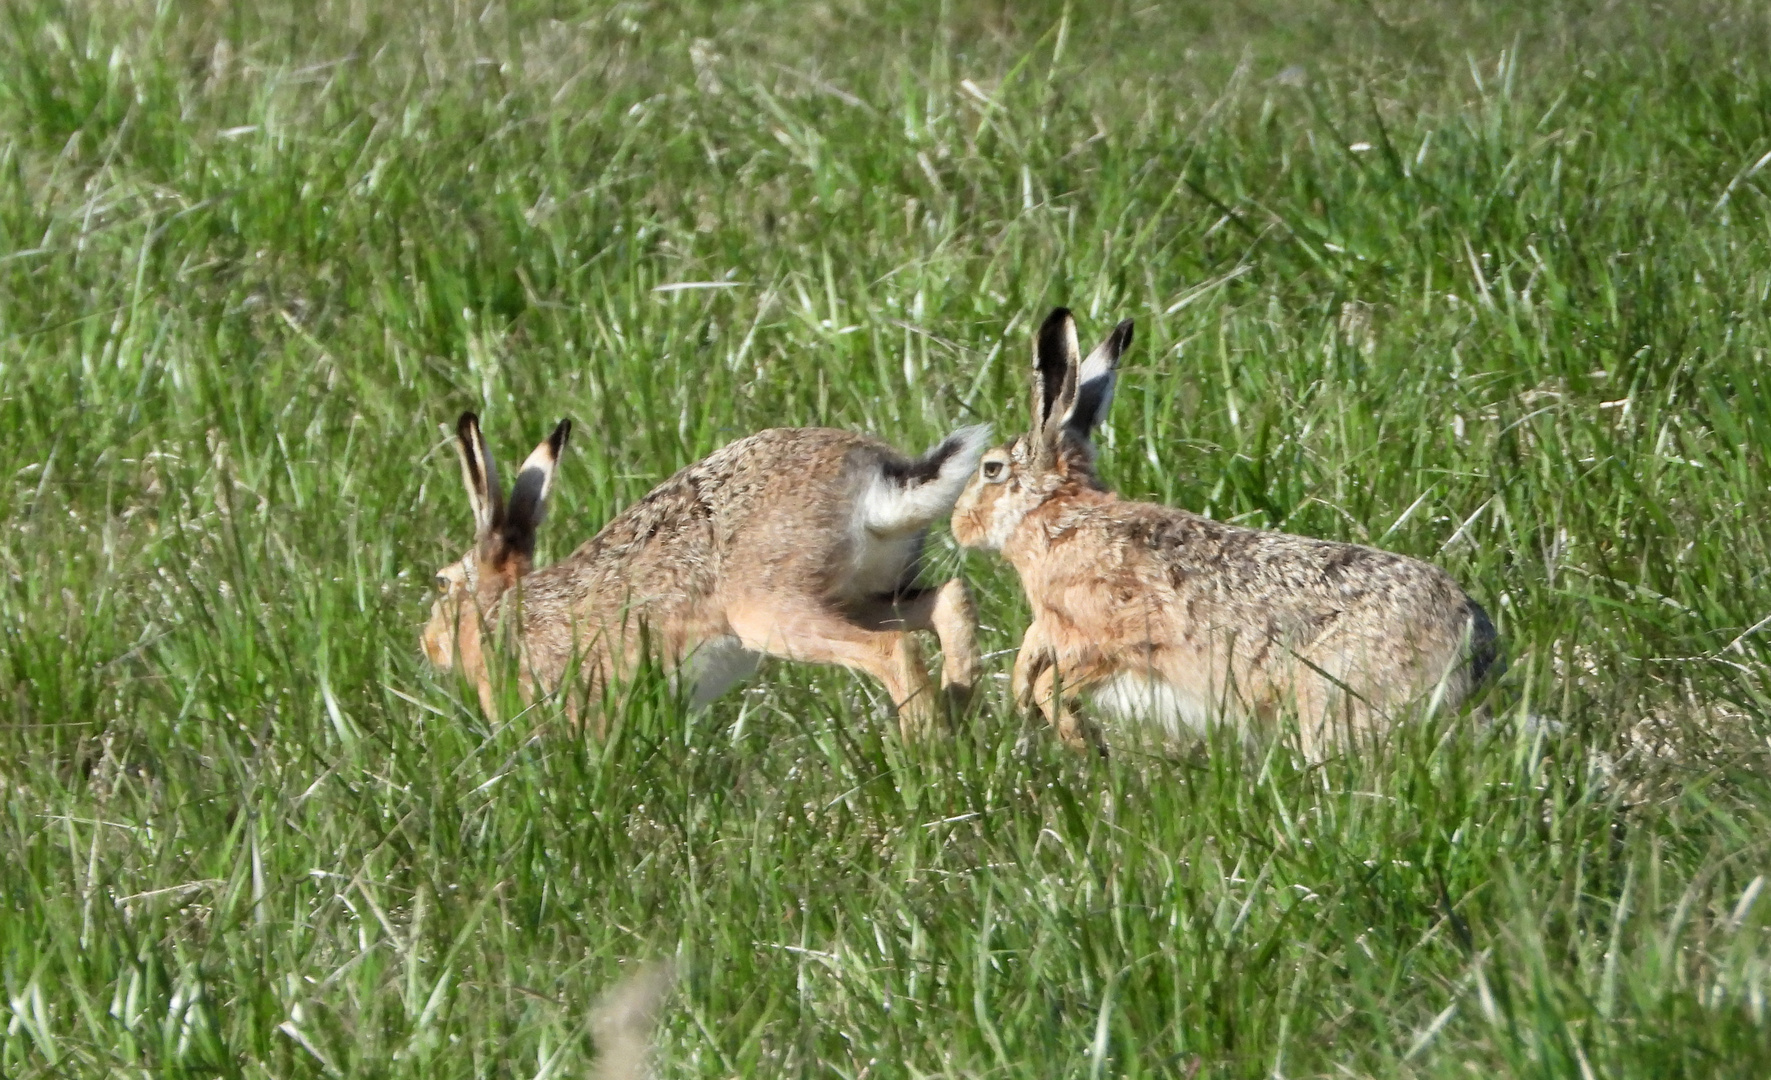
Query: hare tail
[{"x": 906, "y": 496}]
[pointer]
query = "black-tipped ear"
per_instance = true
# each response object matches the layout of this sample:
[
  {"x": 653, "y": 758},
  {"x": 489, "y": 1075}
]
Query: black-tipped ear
[
  {"x": 528, "y": 492},
  {"x": 1095, "y": 381},
  {"x": 479, "y": 474},
  {"x": 1055, "y": 355}
]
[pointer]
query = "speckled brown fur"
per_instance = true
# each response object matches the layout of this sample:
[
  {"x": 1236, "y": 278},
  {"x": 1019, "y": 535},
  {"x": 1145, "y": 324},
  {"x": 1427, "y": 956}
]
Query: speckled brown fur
[
  {"x": 1193, "y": 618},
  {"x": 763, "y": 547}
]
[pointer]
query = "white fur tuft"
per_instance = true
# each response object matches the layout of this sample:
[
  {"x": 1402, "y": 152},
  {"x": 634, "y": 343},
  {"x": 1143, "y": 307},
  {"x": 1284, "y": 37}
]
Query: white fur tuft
[
  {"x": 716, "y": 665},
  {"x": 1134, "y": 697},
  {"x": 901, "y": 506}
]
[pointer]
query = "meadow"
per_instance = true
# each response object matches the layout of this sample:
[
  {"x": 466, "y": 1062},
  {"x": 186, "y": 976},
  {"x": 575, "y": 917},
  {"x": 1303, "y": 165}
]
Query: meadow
[{"x": 1487, "y": 284}]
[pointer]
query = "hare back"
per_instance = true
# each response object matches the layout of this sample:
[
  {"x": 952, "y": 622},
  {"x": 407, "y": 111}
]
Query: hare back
[
  {"x": 817, "y": 512},
  {"x": 780, "y": 515},
  {"x": 1263, "y": 602}
]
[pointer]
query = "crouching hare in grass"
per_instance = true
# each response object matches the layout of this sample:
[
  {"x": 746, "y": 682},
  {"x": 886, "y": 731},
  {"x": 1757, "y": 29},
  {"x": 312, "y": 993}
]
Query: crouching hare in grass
[
  {"x": 800, "y": 543},
  {"x": 1167, "y": 617}
]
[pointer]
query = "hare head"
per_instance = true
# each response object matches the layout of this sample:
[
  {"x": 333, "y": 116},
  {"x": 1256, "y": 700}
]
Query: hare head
[
  {"x": 1070, "y": 399},
  {"x": 504, "y": 541}
]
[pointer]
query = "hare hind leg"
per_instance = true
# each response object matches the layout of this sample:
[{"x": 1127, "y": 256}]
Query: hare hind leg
[
  {"x": 948, "y": 611},
  {"x": 1331, "y": 716},
  {"x": 809, "y": 632}
]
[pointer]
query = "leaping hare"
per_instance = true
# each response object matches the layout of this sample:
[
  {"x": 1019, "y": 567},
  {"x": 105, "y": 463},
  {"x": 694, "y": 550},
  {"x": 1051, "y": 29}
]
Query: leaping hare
[
  {"x": 1165, "y": 616},
  {"x": 801, "y": 543}
]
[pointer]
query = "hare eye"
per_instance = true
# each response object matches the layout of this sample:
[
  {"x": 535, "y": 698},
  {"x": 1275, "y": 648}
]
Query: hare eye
[
  {"x": 442, "y": 583},
  {"x": 993, "y": 471}
]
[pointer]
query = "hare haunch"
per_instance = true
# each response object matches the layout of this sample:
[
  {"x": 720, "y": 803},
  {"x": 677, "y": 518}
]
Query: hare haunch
[
  {"x": 1164, "y": 616},
  {"x": 801, "y": 543}
]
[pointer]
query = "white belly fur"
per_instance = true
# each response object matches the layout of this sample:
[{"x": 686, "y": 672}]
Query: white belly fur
[
  {"x": 1135, "y": 698},
  {"x": 879, "y": 564},
  {"x": 716, "y": 666}
]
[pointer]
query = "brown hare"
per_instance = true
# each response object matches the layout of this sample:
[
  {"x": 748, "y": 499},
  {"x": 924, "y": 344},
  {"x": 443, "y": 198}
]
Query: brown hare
[
  {"x": 1167, "y": 617},
  {"x": 800, "y": 543}
]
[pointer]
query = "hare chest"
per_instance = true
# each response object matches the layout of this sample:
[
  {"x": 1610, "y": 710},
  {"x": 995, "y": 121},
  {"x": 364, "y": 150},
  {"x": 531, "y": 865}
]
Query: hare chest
[{"x": 1132, "y": 697}]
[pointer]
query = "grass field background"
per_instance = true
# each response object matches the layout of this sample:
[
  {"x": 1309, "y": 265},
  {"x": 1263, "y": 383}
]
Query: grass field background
[{"x": 1489, "y": 284}]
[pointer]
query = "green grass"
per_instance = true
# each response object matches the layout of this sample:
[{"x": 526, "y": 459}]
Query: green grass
[{"x": 1488, "y": 284}]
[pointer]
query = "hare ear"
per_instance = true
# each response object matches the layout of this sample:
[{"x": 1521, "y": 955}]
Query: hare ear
[
  {"x": 529, "y": 491},
  {"x": 1095, "y": 381},
  {"x": 479, "y": 474},
  {"x": 1055, "y": 355}
]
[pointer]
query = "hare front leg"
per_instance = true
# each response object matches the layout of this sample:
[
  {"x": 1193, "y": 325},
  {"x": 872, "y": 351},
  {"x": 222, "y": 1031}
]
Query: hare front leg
[
  {"x": 955, "y": 619},
  {"x": 948, "y": 612},
  {"x": 1041, "y": 680},
  {"x": 808, "y": 632}
]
